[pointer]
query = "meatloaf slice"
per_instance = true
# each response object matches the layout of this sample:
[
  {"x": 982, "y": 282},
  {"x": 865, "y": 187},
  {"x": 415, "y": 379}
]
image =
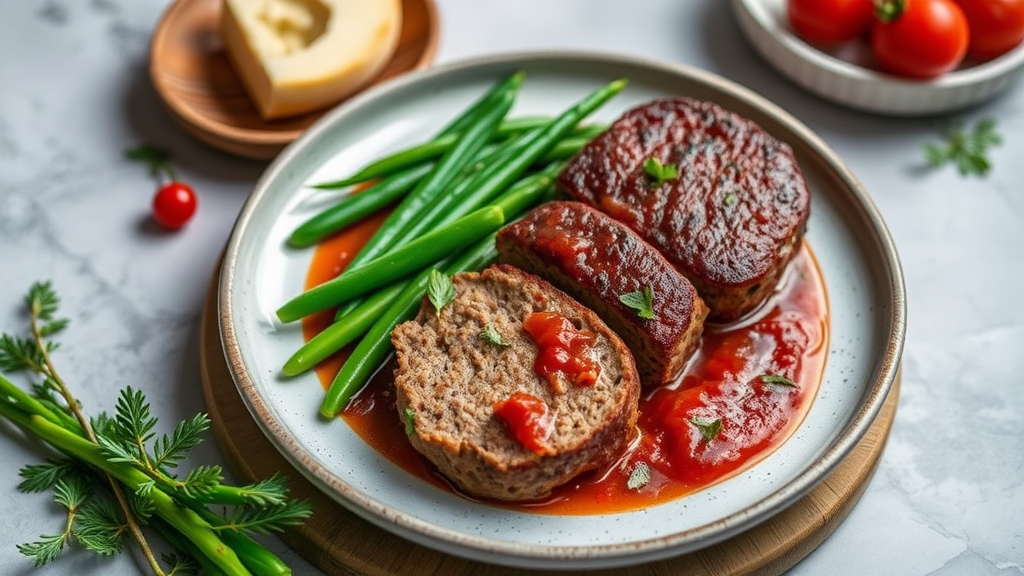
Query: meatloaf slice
[
  {"x": 448, "y": 379},
  {"x": 597, "y": 260},
  {"x": 730, "y": 221}
]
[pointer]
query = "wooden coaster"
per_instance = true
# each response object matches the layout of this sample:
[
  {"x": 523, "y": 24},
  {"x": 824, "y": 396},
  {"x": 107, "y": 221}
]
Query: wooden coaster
[{"x": 339, "y": 542}]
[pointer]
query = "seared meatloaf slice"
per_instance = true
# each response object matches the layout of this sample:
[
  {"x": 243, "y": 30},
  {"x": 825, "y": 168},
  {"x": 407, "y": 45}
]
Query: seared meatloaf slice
[
  {"x": 597, "y": 260},
  {"x": 730, "y": 221},
  {"x": 449, "y": 379}
]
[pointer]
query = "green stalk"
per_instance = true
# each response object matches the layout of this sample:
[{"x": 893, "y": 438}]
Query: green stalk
[
  {"x": 25, "y": 402},
  {"x": 185, "y": 520}
]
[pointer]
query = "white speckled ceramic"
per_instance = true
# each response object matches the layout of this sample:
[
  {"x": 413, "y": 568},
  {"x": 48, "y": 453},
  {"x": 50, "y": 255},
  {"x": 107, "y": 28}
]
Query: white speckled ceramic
[
  {"x": 843, "y": 76},
  {"x": 855, "y": 251}
]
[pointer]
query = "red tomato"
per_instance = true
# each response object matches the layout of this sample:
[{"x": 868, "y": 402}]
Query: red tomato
[
  {"x": 174, "y": 204},
  {"x": 830, "y": 21},
  {"x": 997, "y": 26},
  {"x": 919, "y": 38}
]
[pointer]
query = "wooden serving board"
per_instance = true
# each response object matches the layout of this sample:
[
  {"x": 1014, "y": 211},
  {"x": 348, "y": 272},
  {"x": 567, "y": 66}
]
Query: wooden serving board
[{"x": 339, "y": 542}]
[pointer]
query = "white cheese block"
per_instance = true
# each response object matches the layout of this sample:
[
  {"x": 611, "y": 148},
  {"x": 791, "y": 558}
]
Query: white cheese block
[{"x": 295, "y": 56}]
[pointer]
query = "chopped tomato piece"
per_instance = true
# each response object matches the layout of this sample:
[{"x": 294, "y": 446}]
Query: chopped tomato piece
[
  {"x": 562, "y": 349},
  {"x": 526, "y": 419}
]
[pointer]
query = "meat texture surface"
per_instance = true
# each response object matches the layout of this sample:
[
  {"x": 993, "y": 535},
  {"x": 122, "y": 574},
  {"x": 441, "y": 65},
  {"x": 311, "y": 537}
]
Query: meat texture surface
[
  {"x": 448, "y": 379},
  {"x": 597, "y": 260},
  {"x": 732, "y": 218}
]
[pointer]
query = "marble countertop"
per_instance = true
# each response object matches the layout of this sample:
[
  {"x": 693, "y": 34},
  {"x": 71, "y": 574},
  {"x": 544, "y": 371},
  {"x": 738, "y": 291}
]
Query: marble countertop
[{"x": 948, "y": 497}]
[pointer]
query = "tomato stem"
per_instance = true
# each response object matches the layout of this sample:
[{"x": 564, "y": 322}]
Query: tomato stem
[
  {"x": 158, "y": 160},
  {"x": 889, "y": 10}
]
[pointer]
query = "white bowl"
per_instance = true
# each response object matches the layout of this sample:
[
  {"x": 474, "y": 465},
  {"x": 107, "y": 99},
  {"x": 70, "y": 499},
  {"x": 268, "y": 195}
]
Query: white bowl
[{"x": 837, "y": 76}]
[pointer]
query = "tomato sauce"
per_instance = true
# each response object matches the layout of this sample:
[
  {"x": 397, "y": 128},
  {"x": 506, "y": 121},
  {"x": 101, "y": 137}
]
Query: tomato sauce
[
  {"x": 527, "y": 419},
  {"x": 563, "y": 352},
  {"x": 744, "y": 392}
]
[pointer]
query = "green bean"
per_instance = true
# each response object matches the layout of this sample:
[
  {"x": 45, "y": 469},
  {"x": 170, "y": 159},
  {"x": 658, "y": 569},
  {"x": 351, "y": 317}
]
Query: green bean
[
  {"x": 341, "y": 333},
  {"x": 487, "y": 155},
  {"x": 376, "y": 345},
  {"x": 455, "y": 161},
  {"x": 427, "y": 151},
  {"x": 355, "y": 207},
  {"x": 399, "y": 263},
  {"x": 566, "y": 147},
  {"x": 517, "y": 157},
  {"x": 510, "y": 82},
  {"x": 528, "y": 192},
  {"x": 402, "y": 158}
]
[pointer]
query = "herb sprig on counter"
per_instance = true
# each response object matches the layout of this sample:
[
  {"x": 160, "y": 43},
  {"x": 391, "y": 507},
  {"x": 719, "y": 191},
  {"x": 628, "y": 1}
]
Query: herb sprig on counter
[
  {"x": 113, "y": 476},
  {"x": 966, "y": 148}
]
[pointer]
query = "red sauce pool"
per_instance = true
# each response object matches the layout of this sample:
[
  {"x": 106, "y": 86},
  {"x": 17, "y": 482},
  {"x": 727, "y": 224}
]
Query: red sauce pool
[{"x": 720, "y": 419}]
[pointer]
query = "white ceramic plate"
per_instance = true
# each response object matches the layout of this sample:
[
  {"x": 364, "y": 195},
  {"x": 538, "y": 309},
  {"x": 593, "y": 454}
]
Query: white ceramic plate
[
  {"x": 259, "y": 273},
  {"x": 843, "y": 74}
]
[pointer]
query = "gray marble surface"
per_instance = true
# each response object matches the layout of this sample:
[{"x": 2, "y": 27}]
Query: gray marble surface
[{"x": 948, "y": 498}]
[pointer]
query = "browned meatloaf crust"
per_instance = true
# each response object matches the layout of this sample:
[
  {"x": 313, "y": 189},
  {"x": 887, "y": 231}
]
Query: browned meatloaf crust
[
  {"x": 732, "y": 219},
  {"x": 596, "y": 259},
  {"x": 450, "y": 378}
]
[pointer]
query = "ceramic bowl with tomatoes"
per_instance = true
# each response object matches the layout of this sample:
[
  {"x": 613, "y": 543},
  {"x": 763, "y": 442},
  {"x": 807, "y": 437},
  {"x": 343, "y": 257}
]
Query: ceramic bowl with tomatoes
[{"x": 900, "y": 57}]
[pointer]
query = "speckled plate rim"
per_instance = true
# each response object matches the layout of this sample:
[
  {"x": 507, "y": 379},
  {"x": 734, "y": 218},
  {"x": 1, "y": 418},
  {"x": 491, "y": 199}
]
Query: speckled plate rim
[
  {"x": 763, "y": 23},
  {"x": 860, "y": 264}
]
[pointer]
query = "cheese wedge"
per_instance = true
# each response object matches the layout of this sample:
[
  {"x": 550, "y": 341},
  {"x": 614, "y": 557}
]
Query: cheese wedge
[{"x": 295, "y": 56}]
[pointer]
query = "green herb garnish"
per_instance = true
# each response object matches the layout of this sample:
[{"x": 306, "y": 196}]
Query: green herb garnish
[
  {"x": 491, "y": 334},
  {"x": 777, "y": 379},
  {"x": 639, "y": 477},
  {"x": 709, "y": 430},
  {"x": 642, "y": 301},
  {"x": 115, "y": 474},
  {"x": 729, "y": 199},
  {"x": 440, "y": 289},
  {"x": 968, "y": 149},
  {"x": 660, "y": 173},
  {"x": 409, "y": 418}
]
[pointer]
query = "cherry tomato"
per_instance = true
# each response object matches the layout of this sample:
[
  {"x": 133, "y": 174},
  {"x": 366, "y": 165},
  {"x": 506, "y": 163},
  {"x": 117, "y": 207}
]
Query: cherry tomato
[
  {"x": 997, "y": 26},
  {"x": 174, "y": 204},
  {"x": 830, "y": 21},
  {"x": 919, "y": 38}
]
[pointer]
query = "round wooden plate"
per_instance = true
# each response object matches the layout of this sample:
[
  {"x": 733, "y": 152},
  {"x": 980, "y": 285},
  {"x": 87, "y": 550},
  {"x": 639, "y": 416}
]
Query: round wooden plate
[
  {"x": 191, "y": 73},
  {"x": 339, "y": 542}
]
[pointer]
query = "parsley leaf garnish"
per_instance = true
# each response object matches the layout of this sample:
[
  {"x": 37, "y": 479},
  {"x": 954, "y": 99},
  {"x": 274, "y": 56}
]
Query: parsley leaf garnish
[
  {"x": 642, "y": 301},
  {"x": 967, "y": 149},
  {"x": 491, "y": 334},
  {"x": 660, "y": 173},
  {"x": 409, "y": 419},
  {"x": 639, "y": 477},
  {"x": 440, "y": 289},
  {"x": 709, "y": 430},
  {"x": 777, "y": 379}
]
